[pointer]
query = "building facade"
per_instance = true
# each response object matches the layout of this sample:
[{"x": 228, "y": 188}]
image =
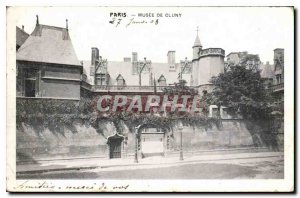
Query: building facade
[
  {"x": 48, "y": 69},
  {"x": 273, "y": 76},
  {"x": 47, "y": 66}
]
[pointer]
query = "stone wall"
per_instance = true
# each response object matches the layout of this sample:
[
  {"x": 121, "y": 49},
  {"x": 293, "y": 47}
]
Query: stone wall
[
  {"x": 47, "y": 144},
  {"x": 231, "y": 133},
  {"x": 85, "y": 141}
]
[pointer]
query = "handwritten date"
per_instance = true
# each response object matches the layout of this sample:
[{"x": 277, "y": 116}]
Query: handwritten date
[{"x": 132, "y": 21}]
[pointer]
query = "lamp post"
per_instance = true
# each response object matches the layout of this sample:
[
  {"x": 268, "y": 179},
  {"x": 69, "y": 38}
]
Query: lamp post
[
  {"x": 136, "y": 145},
  {"x": 180, "y": 128}
]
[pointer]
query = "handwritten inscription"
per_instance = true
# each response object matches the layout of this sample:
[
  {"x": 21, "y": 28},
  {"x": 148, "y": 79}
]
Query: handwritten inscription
[
  {"x": 40, "y": 185},
  {"x": 132, "y": 21},
  {"x": 123, "y": 18},
  {"x": 49, "y": 186}
]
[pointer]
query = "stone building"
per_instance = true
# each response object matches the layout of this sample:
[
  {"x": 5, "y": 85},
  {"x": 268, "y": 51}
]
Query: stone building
[
  {"x": 47, "y": 66},
  {"x": 274, "y": 74},
  {"x": 129, "y": 69},
  {"x": 278, "y": 83},
  {"x": 268, "y": 74},
  {"x": 206, "y": 63},
  {"x": 48, "y": 69}
]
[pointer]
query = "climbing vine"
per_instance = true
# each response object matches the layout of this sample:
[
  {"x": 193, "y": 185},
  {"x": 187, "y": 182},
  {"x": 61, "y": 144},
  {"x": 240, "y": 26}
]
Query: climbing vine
[{"x": 54, "y": 114}]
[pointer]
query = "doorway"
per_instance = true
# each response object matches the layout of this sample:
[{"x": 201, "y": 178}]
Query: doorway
[
  {"x": 115, "y": 146},
  {"x": 29, "y": 88},
  {"x": 152, "y": 140}
]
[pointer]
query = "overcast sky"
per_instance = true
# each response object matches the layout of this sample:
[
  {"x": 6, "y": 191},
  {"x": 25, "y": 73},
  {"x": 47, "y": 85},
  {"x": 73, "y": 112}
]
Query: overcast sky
[{"x": 256, "y": 30}]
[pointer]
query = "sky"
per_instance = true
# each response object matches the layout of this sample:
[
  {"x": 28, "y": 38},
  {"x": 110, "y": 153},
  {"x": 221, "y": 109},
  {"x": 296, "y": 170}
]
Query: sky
[{"x": 258, "y": 30}]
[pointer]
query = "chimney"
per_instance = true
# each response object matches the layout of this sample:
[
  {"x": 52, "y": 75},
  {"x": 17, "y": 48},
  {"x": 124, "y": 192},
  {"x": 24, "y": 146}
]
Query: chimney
[
  {"x": 171, "y": 57},
  {"x": 171, "y": 61},
  {"x": 134, "y": 57},
  {"x": 95, "y": 57},
  {"x": 278, "y": 53},
  {"x": 23, "y": 27}
]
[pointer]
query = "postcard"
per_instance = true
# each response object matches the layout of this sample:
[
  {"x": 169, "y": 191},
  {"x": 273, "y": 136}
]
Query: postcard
[{"x": 150, "y": 99}]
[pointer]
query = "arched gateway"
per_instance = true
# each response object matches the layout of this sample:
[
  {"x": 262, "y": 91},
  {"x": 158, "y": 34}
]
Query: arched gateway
[{"x": 151, "y": 140}]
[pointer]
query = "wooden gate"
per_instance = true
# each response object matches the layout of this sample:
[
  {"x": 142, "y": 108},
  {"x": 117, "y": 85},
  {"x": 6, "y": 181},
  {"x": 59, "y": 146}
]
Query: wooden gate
[{"x": 115, "y": 146}]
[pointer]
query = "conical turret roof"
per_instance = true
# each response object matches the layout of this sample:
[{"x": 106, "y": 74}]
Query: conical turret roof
[{"x": 197, "y": 42}]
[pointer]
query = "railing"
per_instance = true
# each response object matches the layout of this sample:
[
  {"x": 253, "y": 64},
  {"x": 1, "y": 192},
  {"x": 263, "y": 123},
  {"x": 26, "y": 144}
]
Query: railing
[
  {"x": 131, "y": 88},
  {"x": 124, "y": 88},
  {"x": 277, "y": 87},
  {"x": 212, "y": 51}
]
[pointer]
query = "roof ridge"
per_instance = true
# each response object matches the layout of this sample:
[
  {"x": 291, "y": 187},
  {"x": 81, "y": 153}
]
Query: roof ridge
[{"x": 52, "y": 27}]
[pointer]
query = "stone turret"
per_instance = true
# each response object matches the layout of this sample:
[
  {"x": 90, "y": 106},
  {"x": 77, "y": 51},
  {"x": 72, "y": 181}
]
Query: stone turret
[{"x": 196, "y": 47}]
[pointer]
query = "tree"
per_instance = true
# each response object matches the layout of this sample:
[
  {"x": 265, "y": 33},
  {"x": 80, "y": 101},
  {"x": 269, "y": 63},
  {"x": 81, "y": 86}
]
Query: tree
[
  {"x": 250, "y": 61},
  {"x": 242, "y": 90}
]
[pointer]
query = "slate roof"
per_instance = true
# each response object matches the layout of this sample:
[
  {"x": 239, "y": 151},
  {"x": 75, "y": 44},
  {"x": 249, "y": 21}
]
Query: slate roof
[
  {"x": 197, "y": 41},
  {"x": 267, "y": 71},
  {"x": 21, "y": 36},
  {"x": 115, "y": 68},
  {"x": 48, "y": 44}
]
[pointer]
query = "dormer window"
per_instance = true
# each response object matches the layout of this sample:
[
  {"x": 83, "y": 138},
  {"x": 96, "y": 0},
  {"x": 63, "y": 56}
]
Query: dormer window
[
  {"x": 120, "y": 80},
  {"x": 162, "y": 81}
]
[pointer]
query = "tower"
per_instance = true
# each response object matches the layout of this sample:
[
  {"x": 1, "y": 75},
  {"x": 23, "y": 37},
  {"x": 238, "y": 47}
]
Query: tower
[
  {"x": 197, "y": 47},
  {"x": 206, "y": 64}
]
